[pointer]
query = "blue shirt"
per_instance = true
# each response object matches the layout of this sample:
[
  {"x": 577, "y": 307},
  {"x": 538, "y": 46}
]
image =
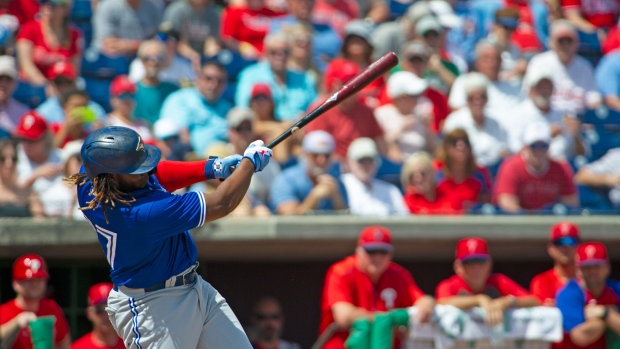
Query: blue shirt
[
  {"x": 52, "y": 111},
  {"x": 572, "y": 299},
  {"x": 291, "y": 100},
  {"x": 294, "y": 185},
  {"x": 147, "y": 241},
  {"x": 206, "y": 122},
  {"x": 326, "y": 42},
  {"x": 607, "y": 74}
]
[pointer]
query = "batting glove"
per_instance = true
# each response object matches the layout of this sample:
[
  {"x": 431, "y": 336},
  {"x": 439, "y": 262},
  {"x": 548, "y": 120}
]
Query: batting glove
[
  {"x": 221, "y": 168},
  {"x": 258, "y": 154}
]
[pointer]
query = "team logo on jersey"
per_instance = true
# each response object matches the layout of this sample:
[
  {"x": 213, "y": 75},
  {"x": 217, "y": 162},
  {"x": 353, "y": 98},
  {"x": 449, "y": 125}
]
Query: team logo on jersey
[
  {"x": 472, "y": 245},
  {"x": 388, "y": 296},
  {"x": 590, "y": 251}
]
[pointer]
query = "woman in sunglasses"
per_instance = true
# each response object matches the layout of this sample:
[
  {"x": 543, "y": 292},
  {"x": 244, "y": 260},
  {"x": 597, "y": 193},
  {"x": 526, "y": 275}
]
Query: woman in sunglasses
[
  {"x": 15, "y": 199},
  {"x": 422, "y": 196}
]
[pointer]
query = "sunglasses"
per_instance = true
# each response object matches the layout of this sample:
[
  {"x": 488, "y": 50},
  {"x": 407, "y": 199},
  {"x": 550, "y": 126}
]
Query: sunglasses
[
  {"x": 279, "y": 52},
  {"x": 377, "y": 252},
  {"x": 268, "y": 316},
  {"x": 261, "y": 98},
  {"x": 455, "y": 141},
  {"x": 416, "y": 59},
  {"x": 431, "y": 33},
  {"x": 475, "y": 261},
  {"x": 321, "y": 154},
  {"x": 6, "y": 78},
  {"x": 63, "y": 82},
  {"x": 5, "y": 158},
  {"x": 566, "y": 241},
  {"x": 126, "y": 96},
  {"x": 483, "y": 97},
  {"x": 366, "y": 160},
  {"x": 246, "y": 128},
  {"x": 211, "y": 78},
  {"x": 539, "y": 146},
  {"x": 153, "y": 58},
  {"x": 565, "y": 41}
]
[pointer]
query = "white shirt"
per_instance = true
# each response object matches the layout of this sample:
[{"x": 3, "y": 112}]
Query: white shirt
[
  {"x": 572, "y": 83},
  {"x": 260, "y": 185},
  {"x": 180, "y": 71},
  {"x": 487, "y": 141},
  {"x": 606, "y": 165},
  {"x": 503, "y": 95},
  {"x": 44, "y": 187},
  {"x": 392, "y": 122},
  {"x": 380, "y": 199}
]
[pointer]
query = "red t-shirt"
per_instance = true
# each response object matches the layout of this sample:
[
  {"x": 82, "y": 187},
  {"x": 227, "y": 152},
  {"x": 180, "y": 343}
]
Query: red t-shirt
[
  {"x": 419, "y": 204},
  {"x": 533, "y": 191},
  {"x": 600, "y": 13},
  {"x": 247, "y": 25},
  {"x": 438, "y": 99},
  {"x": 346, "y": 127},
  {"x": 612, "y": 41},
  {"x": 9, "y": 310},
  {"x": 524, "y": 37},
  {"x": 546, "y": 285},
  {"x": 335, "y": 13},
  {"x": 87, "y": 342},
  {"x": 23, "y": 10},
  {"x": 45, "y": 56},
  {"x": 346, "y": 283},
  {"x": 497, "y": 285}
]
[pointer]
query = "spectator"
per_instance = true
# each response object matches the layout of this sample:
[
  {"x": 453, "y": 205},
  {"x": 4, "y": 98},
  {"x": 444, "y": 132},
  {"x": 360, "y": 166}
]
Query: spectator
[
  {"x": 565, "y": 129},
  {"x": 366, "y": 283},
  {"x": 530, "y": 180},
  {"x": 268, "y": 319},
  {"x": 24, "y": 11},
  {"x": 103, "y": 334},
  {"x": 62, "y": 80},
  {"x": 562, "y": 245},
  {"x": 367, "y": 195},
  {"x": 502, "y": 95},
  {"x": 422, "y": 196},
  {"x": 475, "y": 286},
  {"x": 292, "y": 92},
  {"x": 589, "y": 304},
  {"x": 120, "y": 25},
  {"x": 513, "y": 62},
  {"x": 15, "y": 200},
  {"x": 590, "y": 16},
  {"x": 488, "y": 136},
  {"x": 175, "y": 68},
  {"x": 612, "y": 40},
  {"x": 30, "y": 277},
  {"x": 198, "y": 25},
  {"x": 603, "y": 173},
  {"x": 607, "y": 74},
  {"x": 39, "y": 164},
  {"x": 300, "y": 57},
  {"x": 123, "y": 102},
  {"x": 406, "y": 121},
  {"x": 391, "y": 36},
  {"x": 244, "y": 27},
  {"x": 201, "y": 110},
  {"x": 66, "y": 204},
  {"x": 374, "y": 11},
  {"x": 350, "y": 119},
  {"x": 430, "y": 32},
  {"x": 573, "y": 77},
  {"x": 48, "y": 40},
  {"x": 335, "y": 13},
  {"x": 79, "y": 119},
  {"x": 312, "y": 184},
  {"x": 241, "y": 134},
  {"x": 326, "y": 42},
  {"x": 151, "y": 91},
  {"x": 10, "y": 109},
  {"x": 168, "y": 138}
]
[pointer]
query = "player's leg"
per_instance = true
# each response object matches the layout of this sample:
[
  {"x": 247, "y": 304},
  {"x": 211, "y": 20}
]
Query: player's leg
[
  {"x": 221, "y": 329},
  {"x": 168, "y": 318}
]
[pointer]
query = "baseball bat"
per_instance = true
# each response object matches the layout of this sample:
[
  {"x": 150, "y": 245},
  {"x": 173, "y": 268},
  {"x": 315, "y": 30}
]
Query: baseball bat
[{"x": 353, "y": 86}]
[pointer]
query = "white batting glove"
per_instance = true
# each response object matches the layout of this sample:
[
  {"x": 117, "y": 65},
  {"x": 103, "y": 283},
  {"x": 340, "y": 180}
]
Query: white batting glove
[{"x": 258, "y": 154}]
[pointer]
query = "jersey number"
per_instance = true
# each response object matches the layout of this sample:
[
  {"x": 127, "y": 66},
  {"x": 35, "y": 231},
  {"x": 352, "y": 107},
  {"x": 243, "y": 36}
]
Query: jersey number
[{"x": 110, "y": 236}]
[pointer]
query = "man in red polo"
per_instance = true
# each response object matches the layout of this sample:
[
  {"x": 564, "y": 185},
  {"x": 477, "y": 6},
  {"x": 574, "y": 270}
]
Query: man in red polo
[
  {"x": 365, "y": 283},
  {"x": 562, "y": 245},
  {"x": 589, "y": 304},
  {"x": 475, "y": 286}
]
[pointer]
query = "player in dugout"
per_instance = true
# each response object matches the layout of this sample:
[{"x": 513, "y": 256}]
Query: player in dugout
[
  {"x": 475, "y": 286},
  {"x": 365, "y": 283},
  {"x": 158, "y": 299}
]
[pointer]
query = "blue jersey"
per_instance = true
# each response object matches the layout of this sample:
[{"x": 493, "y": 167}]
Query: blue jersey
[
  {"x": 572, "y": 298},
  {"x": 148, "y": 241}
]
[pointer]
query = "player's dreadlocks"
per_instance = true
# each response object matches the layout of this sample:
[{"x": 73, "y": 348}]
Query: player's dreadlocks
[{"x": 105, "y": 191}]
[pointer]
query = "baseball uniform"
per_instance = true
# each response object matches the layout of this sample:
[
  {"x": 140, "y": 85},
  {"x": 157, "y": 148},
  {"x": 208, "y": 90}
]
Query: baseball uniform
[
  {"x": 497, "y": 285},
  {"x": 10, "y": 310},
  {"x": 87, "y": 342}
]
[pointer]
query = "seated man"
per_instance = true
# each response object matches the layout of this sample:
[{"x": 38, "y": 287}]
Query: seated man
[
  {"x": 589, "y": 304},
  {"x": 10, "y": 109},
  {"x": 367, "y": 195},
  {"x": 367, "y": 283},
  {"x": 475, "y": 286},
  {"x": 268, "y": 321},
  {"x": 603, "y": 173},
  {"x": 312, "y": 184},
  {"x": 561, "y": 247}
]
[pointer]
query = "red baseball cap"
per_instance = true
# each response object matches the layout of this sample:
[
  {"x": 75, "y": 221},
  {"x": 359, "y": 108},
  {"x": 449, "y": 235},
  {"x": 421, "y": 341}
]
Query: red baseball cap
[
  {"x": 121, "y": 84},
  {"x": 30, "y": 266},
  {"x": 565, "y": 233},
  {"x": 99, "y": 293},
  {"x": 64, "y": 69},
  {"x": 375, "y": 237},
  {"x": 340, "y": 70},
  {"x": 31, "y": 126},
  {"x": 261, "y": 89},
  {"x": 472, "y": 248},
  {"x": 591, "y": 253}
]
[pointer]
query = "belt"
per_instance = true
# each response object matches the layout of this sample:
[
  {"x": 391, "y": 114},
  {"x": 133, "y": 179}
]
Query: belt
[{"x": 179, "y": 280}]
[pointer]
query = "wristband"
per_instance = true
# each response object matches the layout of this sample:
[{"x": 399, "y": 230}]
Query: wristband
[
  {"x": 209, "y": 174},
  {"x": 605, "y": 314}
]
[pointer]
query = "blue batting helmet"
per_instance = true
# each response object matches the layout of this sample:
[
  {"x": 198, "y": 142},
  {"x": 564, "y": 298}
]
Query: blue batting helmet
[{"x": 118, "y": 150}]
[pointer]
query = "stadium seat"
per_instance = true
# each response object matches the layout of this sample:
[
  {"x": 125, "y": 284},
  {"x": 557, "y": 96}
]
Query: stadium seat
[
  {"x": 30, "y": 95},
  {"x": 81, "y": 14},
  {"x": 99, "y": 91},
  {"x": 590, "y": 47},
  {"x": 601, "y": 116},
  {"x": 601, "y": 139},
  {"x": 595, "y": 199},
  {"x": 100, "y": 66}
]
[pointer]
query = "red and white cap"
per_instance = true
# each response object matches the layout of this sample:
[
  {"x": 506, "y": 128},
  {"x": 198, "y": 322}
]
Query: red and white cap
[
  {"x": 591, "y": 253},
  {"x": 99, "y": 293},
  {"x": 472, "y": 248},
  {"x": 121, "y": 84},
  {"x": 30, "y": 266},
  {"x": 375, "y": 237},
  {"x": 564, "y": 229},
  {"x": 31, "y": 126}
]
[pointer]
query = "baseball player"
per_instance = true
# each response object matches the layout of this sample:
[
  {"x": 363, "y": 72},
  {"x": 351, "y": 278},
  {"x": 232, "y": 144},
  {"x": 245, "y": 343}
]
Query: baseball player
[
  {"x": 365, "y": 283},
  {"x": 562, "y": 246},
  {"x": 158, "y": 300},
  {"x": 30, "y": 282}
]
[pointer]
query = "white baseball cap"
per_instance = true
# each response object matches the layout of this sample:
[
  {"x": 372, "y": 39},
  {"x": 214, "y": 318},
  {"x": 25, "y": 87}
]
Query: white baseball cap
[
  {"x": 362, "y": 148},
  {"x": 237, "y": 115},
  {"x": 475, "y": 81},
  {"x": 535, "y": 74},
  {"x": 537, "y": 131},
  {"x": 7, "y": 67},
  {"x": 426, "y": 24},
  {"x": 445, "y": 14},
  {"x": 405, "y": 83},
  {"x": 70, "y": 149},
  {"x": 318, "y": 142},
  {"x": 165, "y": 128}
]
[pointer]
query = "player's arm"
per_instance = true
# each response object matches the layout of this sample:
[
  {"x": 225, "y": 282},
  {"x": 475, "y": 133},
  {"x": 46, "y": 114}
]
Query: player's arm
[
  {"x": 588, "y": 332},
  {"x": 345, "y": 313},
  {"x": 65, "y": 343},
  {"x": 465, "y": 302},
  {"x": 16, "y": 324}
]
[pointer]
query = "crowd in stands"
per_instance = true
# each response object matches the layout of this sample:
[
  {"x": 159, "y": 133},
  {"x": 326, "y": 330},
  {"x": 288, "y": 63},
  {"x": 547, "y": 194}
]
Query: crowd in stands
[{"x": 496, "y": 106}]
